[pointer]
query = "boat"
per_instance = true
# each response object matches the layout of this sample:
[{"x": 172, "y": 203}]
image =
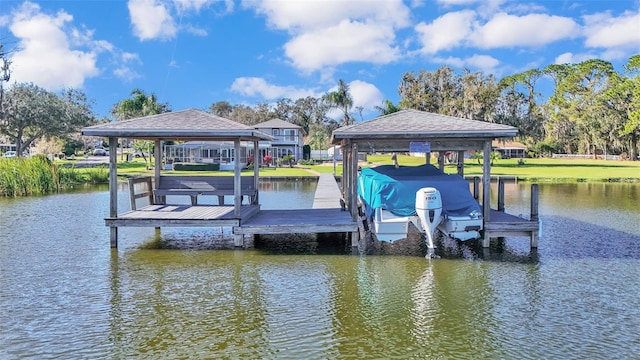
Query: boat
[{"x": 393, "y": 197}]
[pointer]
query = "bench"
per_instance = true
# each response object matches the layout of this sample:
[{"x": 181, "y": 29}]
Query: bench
[{"x": 194, "y": 186}]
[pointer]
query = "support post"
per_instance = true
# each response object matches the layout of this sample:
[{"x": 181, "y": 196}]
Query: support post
[
  {"x": 461, "y": 163},
  {"x": 113, "y": 189},
  {"x": 501, "y": 195},
  {"x": 237, "y": 184},
  {"x": 486, "y": 190},
  {"x": 534, "y": 214},
  {"x": 428, "y": 155},
  {"x": 441, "y": 160},
  {"x": 353, "y": 196},
  {"x": 476, "y": 187},
  {"x": 256, "y": 172}
]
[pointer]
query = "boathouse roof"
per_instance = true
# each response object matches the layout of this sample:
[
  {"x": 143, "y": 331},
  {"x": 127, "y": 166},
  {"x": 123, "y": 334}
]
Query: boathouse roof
[
  {"x": 395, "y": 132},
  {"x": 190, "y": 124}
]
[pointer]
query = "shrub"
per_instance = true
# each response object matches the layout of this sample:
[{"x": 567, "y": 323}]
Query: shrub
[{"x": 196, "y": 167}]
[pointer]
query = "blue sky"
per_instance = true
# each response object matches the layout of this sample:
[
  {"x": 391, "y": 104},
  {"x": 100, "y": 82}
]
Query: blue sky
[{"x": 192, "y": 53}]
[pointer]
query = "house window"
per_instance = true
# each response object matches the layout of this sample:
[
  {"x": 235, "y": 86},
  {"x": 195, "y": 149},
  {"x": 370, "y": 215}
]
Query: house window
[
  {"x": 275, "y": 132},
  {"x": 289, "y": 134}
]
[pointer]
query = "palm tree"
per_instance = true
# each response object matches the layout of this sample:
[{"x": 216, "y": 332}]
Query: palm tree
[
  {"x": 341, "y": 99},
  {"x": 387, "y": 108}
]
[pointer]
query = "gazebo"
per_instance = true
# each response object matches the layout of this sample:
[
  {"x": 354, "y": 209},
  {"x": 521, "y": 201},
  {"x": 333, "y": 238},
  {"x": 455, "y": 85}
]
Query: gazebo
[
  {"x": 424, "y": 132},
  {"x": 186, "y": 125}
]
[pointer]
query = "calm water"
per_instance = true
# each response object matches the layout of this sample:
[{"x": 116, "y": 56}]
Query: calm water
[{"x": 65, "y": 294}]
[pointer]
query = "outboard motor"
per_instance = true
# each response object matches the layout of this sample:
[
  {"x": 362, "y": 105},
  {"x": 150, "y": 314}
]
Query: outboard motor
[{"x": 429, "y": 210}]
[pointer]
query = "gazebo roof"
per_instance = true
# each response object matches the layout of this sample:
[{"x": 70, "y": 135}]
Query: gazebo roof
[
  {"x": 394, "y": 132},
  {"x": 187, "y": 124}
]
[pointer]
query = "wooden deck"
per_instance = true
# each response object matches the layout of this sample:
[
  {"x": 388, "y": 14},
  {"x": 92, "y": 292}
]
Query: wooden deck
[
  {"x": 326, "y": 216},
  {"x": 183, "y": 215}
]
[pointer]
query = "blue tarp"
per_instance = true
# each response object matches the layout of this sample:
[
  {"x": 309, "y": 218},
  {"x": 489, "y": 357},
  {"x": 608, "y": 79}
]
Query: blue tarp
[{"x": 394, "y": 189}]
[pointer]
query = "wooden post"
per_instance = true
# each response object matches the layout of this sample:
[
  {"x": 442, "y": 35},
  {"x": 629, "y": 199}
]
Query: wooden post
[
  {"x": 237, "y": 184},
  {"x": 476, "y": 187},
  {"x": 486, "y": 190},
  {"x": 428, "y": 155},
  {"x": 534, "y": 215},
  {"x": 501, "y": 195},
  {"x": 441, "y": 160},
  {"x": 113, "y": 189},
  {"x": 157, "y": 153},
  {"x": 486, "y": 181},
  {"x": 256, "y": 172},
  {"x": 353, "y": 196},
  {"x": 461, "y": 163}
]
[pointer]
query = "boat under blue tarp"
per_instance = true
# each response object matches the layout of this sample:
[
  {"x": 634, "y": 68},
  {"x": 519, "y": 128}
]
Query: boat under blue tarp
[{"x": 394, "y": 189}]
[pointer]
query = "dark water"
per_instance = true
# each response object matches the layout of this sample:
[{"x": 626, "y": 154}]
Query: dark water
[{"x": 65, "y": 294}]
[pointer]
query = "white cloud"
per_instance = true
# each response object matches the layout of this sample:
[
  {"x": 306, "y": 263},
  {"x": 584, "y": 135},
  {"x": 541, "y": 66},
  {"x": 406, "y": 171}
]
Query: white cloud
[
  {"x": 151, "y": 19},
  {"x": 446, "y": 32},
  {"x": 301, "y": 16},
  {"x": 346, "y": 42},
  {"x": 255, "y": 86},
  {"x": 43, "y": 36},
  {"x": 365, "y": 94},
  {"x": 326, "y": 34},
  {"x": 605, "y": 31},
  {"x": 505, "y": 30},
  {"x": 571, "y": 58},
  {"x": 486, "y": 63}
]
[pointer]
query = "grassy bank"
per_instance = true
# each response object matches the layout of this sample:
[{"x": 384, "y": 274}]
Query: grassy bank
[
  {"x": 539, "y": 170},
  {"x": 37, "y": 175}
]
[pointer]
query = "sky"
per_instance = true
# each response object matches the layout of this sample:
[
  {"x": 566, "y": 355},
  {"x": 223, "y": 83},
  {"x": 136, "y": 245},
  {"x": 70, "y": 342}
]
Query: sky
[{"x": 193, "y": 53}]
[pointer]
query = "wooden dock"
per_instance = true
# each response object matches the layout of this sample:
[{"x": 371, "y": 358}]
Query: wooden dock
[{"x": 326, "y": 216}]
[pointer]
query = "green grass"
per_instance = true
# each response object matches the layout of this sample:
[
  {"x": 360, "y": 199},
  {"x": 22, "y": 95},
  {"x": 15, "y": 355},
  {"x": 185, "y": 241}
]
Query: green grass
[
  {"x": 556, "y": 170},
  {"x": 535, "y": 170}
]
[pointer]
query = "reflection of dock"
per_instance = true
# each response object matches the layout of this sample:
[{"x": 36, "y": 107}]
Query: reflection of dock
[{"x": 326, "y": 216}]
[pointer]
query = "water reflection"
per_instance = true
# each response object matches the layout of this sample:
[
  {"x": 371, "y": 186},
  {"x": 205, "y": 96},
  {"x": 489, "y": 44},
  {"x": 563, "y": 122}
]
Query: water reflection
[{"x": 67, "y": 295}]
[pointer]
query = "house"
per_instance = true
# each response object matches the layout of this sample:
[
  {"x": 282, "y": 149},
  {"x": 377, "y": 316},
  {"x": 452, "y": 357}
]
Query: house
[
  {"x": 509, "y": 149},
  {"x": 288, "y": 138}
]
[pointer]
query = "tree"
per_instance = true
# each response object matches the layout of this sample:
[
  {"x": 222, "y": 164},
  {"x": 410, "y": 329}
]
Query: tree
[
  {"x": 575, "y": 100},
  {"x": 387, "y": 108},
  {"x": 221, "y": 108},
  {"x": 434, "y": 92},
  {"x": 5, "y": 75},
  {"x": 342, "y": 100},
  {"x": 33, "y": 113},
  {"x": 140, "y": 104},
  {"x": 518, "y": 104}
]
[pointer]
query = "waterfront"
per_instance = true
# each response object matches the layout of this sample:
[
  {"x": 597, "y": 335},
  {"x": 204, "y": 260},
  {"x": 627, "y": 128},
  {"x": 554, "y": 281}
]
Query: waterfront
[{"x": 65, "y": 294}]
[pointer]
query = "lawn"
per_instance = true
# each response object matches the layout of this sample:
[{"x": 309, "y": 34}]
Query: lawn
[{"x": 538, "y": 170}]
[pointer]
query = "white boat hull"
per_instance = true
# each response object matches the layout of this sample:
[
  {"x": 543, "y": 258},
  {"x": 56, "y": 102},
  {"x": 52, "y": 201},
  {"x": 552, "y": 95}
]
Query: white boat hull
[{"x": 389, "y": 227}]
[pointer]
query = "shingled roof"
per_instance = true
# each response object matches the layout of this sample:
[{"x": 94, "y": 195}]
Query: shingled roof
[
  {"x": 276, "y": 124},
  {"x": 187, "y": 124},
  {"x": 395, "y": 131}
]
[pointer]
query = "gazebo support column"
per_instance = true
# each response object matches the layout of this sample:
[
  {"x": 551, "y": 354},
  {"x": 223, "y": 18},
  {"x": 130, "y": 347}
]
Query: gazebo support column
[
  {"x": 486, "y": 189},
  {"x": 113, "y": 189}
]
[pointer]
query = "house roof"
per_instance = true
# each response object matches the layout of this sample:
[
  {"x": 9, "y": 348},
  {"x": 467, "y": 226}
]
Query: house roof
[
  {"x": 276, "y": 124},
  {"x": 505, "y": 144},
  {"x": 187, "y": 124},
  {"x": 395, "y": 132}
]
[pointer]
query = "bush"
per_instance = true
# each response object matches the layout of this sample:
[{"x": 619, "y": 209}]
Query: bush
[{"x": 196, "y": 167}]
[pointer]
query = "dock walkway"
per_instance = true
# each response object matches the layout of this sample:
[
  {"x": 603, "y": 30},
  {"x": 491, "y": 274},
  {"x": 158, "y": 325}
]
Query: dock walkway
[{"x": 325, "y": 216}]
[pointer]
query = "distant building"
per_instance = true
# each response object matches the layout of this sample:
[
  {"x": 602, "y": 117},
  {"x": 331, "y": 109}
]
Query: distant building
[
  {"x": 509, "y": 149},
  {"x": 288, "y": 138}
]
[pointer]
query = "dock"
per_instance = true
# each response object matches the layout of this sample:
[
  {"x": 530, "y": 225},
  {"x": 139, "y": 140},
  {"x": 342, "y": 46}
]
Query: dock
[{"x": 325, "y": 216}]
